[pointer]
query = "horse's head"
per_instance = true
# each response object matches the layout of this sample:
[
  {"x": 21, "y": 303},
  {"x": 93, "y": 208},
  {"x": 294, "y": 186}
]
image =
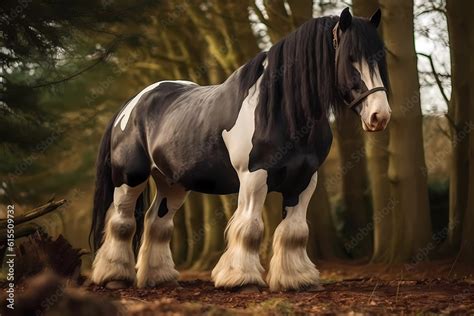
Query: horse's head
[{"x": 361, "y": 73}]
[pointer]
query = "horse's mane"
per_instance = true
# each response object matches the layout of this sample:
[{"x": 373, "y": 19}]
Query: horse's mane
[{"x": 298, "y": 87}]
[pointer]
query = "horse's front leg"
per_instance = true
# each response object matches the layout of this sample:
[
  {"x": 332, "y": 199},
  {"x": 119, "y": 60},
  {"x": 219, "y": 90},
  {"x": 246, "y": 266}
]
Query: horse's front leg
[
  {"x": 290, "y": 266},
  {"x": 240, "y": 264}
]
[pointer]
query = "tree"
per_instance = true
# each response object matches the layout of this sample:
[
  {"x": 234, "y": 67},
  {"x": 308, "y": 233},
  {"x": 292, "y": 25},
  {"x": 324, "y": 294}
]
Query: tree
[
  {"x": 460, "y": 28},
  {"x": 354, "y": 181},
  {"x": 376, "y": 150},
  {"x": 323, "y": 241},
  {"x": 44, "y": 46},
  {"x": 411, "y": 228}
]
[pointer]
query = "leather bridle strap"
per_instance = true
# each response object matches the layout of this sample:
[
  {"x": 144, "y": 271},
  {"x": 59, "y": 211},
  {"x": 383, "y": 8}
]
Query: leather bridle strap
[{"x": 364, "y": 95}]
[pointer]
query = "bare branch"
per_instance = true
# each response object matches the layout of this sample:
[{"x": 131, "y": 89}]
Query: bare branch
[
  {"x": 100, "y": 59},
  {"x": 35, "y": 213},
  {"x": 260, "y": 15},
  {"x": 436, "y": 76},
  {"x": 432, "y": 10}
]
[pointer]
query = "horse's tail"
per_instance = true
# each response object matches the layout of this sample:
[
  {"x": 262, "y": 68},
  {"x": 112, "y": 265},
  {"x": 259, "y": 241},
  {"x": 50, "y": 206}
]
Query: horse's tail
[{"x": 104, "y": 189}]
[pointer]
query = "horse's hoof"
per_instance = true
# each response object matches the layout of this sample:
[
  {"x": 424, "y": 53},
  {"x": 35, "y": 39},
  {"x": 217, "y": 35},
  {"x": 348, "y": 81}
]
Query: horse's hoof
[
  {"x": 314, "y": 288},
  {"x": 248, "y": 288},
  {"x": 117, "y": 284}
]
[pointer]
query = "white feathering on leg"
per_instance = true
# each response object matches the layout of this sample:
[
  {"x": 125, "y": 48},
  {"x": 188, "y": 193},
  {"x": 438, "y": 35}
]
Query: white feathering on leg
[
  {"x": 290, "y": 266},
  {"x": 155, "y": 261},
  {"x": 115, "y": 259}
]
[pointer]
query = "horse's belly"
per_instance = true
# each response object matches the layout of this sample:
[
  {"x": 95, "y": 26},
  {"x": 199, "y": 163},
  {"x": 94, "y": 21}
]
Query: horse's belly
[
  {"x": 199, "y": 165},
  {"x": 211, "y": 178}
]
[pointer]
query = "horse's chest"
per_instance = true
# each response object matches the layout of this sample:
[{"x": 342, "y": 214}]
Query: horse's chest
[
  {"x": 286, "y": 169},
  {"x": 290, "y": 162}
]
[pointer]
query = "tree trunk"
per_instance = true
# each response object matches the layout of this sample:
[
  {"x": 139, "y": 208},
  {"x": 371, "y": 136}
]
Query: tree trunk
[
  {"x": 323, "y": 242},
  {"x": 240, "y": 30},
  {"x": 460, "y": 32},
  {"x": 461, "y": 210},
  {"x": 179, "y": 246},
  {"x": 412, "y": 226},
  {"x": 229, "y": 204},
  {"x": 214, "y": 225},
  {"x": 279, "y": 23},
  {"x": 301, "y": 11},
  {"x": 272, "y": 216},
  {"x": 194, "y": 227},
  {"x": 467, "y": 243},
  {"x": 354, "y": 183},
  {"x": 468, "y": 231},
  {"x": 376, "y": 149}
]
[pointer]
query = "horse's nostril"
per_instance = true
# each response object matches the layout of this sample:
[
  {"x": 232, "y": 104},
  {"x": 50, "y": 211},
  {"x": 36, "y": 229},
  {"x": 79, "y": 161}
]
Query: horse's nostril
[{"x": 374, "y": 119}]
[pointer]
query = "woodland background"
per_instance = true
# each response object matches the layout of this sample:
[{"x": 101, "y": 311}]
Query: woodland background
[{"x": 404, "y": 195}]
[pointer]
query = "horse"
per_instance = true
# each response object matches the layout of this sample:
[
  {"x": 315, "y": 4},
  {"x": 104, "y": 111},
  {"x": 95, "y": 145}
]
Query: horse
[{"x": 266, "y": 128}]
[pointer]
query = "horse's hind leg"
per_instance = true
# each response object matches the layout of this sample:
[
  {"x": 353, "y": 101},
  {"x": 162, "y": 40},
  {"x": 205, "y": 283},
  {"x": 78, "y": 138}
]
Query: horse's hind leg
[
  {"x": 290, "y": 266},
  {"x": 155, "y": 264},
  {"x": 114, "y": 261}
]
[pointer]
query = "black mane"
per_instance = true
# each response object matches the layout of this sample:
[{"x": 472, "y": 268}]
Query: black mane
[{"x": 298, "y": 86}]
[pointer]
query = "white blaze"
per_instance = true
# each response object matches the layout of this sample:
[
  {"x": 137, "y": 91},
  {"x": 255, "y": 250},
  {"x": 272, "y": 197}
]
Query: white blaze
[{"x": 376, "y": 102}]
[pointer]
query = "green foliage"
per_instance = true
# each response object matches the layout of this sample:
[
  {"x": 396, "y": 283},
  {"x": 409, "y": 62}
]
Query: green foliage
[{"x": 53, "y": 55}]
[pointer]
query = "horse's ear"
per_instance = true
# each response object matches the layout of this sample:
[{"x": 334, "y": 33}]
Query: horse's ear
[
  {"x": 345, "y": 19},
  {"x": 375, "y": 18}
]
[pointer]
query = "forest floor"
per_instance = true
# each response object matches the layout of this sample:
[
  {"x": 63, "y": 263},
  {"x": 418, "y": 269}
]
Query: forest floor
[{"x": 440, "y": 288}]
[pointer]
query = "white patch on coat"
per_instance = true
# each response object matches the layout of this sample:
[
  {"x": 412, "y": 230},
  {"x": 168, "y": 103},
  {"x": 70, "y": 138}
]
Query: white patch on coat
[
  {"x": 240, "y": 263},
  {"x": 127, "y": 111},
  {"x": 376, "y": 102},
  {"x": 115, "y": 260},
  {"x": 290, "y": 266}
]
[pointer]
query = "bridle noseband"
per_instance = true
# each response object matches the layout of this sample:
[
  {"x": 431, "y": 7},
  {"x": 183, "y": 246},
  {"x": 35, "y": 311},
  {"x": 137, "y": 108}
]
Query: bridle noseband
[{"x": 362, "y": 96}]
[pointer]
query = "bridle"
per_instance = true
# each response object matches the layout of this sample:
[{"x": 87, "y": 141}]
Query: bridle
[{"x": 362, "y": 96}]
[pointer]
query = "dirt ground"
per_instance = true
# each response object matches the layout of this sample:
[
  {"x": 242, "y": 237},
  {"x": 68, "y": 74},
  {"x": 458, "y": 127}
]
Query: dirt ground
[{"x": 439, "y": 288}]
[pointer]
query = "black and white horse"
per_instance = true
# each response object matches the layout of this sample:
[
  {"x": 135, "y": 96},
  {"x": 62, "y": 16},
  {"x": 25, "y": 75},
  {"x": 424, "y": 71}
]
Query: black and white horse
[{"x": 266, "y": 128}]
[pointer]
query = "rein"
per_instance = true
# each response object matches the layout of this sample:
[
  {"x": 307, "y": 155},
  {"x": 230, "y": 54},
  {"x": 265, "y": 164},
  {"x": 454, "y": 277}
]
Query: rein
[{"x": 362, "y": 96}]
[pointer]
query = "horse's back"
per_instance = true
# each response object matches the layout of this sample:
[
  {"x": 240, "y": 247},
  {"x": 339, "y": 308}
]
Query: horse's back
[{"x": 176, "y": 128}]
